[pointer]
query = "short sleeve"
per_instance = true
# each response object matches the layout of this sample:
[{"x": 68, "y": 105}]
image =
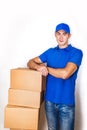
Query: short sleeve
[
  {"x": 44, "y": 56},
  {"x": 76, "y": 57}
]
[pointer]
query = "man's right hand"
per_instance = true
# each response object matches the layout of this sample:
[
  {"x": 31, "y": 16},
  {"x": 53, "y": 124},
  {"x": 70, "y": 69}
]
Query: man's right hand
[{"x": 43, "y": 69}]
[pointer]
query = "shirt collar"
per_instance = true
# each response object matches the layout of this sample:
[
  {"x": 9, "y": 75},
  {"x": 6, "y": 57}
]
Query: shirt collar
[{"x": 68, "y": 48}]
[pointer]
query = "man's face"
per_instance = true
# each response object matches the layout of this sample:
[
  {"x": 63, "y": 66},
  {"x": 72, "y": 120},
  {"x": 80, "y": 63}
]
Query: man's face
[{"x": 62, "y": 38}]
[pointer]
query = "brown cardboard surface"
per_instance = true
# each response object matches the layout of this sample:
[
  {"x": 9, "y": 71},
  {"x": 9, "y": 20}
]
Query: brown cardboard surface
[
  {"x": 25, "y": 98},
  {"x": 21, "y": 118},
  {"x": 20, "y": 129},
  {"x": 23, "y": 78}
]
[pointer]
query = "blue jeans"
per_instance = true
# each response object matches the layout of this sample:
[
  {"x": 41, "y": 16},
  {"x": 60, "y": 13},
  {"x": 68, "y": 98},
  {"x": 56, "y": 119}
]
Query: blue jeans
[{"x": 59, "y": 116}]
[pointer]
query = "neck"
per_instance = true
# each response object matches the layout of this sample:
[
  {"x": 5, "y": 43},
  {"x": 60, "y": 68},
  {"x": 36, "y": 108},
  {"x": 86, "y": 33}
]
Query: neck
[{"x": 63, "y": 46}]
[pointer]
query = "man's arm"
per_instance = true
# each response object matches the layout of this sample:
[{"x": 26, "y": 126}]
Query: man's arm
[
  {"x": 37, "y": 64},
  {"x": 63, "y": 73},
  {"x": 34, "y": 63}
]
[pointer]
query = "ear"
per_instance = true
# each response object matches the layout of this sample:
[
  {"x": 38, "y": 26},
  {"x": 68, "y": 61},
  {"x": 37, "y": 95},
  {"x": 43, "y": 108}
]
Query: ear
[
  {"x": 55, "y": 34},
  {"x": 69, "y": 35}
]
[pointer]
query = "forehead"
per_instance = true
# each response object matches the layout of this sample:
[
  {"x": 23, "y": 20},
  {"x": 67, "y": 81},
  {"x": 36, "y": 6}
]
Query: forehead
[{"x": 61, "y": 31}]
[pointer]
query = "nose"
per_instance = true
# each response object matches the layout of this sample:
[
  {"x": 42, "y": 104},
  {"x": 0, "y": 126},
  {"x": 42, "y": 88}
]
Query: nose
[{"x": 61, "y": 37}]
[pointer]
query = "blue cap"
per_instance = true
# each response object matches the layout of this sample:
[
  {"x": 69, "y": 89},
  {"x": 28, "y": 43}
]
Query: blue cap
[{"x": 63, "y": 26}]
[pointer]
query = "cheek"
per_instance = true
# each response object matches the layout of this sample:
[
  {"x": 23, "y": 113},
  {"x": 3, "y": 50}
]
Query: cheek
[
  {"x": 65, "y": 38},
  {"x": 57, "y": 38}
]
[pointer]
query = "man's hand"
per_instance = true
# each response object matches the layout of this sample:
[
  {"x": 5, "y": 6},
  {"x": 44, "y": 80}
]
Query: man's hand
[
  {"x": 37, "y": 64},
  {"x": 43, "y": 69}
]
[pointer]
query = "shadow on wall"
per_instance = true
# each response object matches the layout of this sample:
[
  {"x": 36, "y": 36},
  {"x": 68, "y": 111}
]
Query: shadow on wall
[
  {"x": 42, "y": 121},
  {"x": 78, "y": 113}
]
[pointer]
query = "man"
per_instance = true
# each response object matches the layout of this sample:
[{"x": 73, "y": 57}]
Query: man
[{"x": 62, "y": 64}]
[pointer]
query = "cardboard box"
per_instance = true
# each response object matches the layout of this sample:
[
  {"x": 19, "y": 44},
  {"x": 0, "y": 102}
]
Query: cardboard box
[
  {"x": 24, "y": 78},
  {"x": 18, "y": 129},
  {"x": 21, "y": 118},
  {"x": 25, "y": 98}
]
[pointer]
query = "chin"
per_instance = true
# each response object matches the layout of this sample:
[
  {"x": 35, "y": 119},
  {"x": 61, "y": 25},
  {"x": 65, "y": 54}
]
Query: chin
[{"x": 61, "y": 44}]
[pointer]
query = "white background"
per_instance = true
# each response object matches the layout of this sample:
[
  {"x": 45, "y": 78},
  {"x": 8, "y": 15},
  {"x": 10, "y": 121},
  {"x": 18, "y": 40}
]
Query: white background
[{"x": 27, "y": 29}]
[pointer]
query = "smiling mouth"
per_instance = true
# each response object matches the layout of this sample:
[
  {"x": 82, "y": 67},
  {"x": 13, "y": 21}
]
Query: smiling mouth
[{"x": 60, "y": 41}]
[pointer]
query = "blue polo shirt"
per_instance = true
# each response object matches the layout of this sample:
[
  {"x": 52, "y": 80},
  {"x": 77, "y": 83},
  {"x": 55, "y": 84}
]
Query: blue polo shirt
[{"x": 58, "y": 90}]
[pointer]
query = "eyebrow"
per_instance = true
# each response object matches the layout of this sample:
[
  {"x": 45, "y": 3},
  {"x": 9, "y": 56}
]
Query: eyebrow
[{"x": 63, "y": 32}]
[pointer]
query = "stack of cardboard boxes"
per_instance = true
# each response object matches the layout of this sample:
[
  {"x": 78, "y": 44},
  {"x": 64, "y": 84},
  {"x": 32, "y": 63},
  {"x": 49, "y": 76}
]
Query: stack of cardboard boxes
[{"x": 25, "y": 96}]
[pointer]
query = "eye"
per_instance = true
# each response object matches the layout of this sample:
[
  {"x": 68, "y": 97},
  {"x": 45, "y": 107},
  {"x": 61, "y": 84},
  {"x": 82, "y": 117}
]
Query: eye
[
  {"x": 64, "y": 33},
  {"x": 58, "y": 33}
]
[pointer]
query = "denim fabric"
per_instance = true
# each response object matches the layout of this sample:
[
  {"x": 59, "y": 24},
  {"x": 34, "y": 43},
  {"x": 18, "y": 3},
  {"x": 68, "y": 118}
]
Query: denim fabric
[{"x": 59, "y": 116}]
